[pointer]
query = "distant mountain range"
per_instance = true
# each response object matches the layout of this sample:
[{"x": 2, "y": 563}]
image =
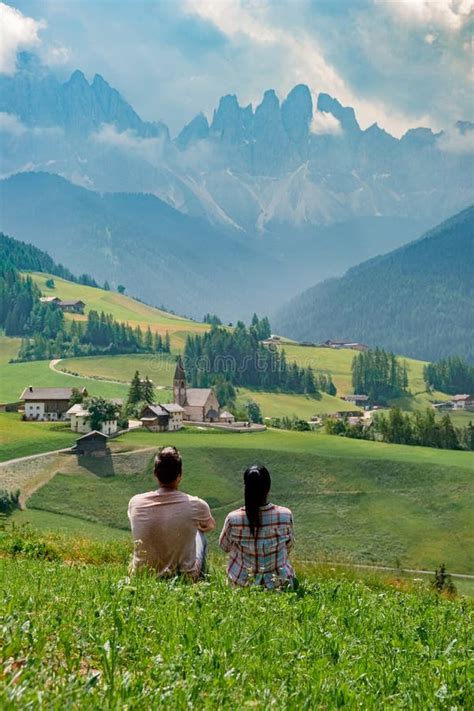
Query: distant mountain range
[
  {"x": 283, "y": 164},
  {"x": 232, "y": 215},
  {"x": 417, "y": 300}
]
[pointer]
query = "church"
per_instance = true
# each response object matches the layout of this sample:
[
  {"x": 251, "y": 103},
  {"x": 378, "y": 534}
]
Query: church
[{"x": 199, "y": 404}]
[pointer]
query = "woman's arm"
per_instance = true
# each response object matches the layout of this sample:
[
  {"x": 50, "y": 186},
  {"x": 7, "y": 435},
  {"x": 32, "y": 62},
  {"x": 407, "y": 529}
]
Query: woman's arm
[
  {"x": 290, "y": 541},
  {"x": 225, "y": 540}
]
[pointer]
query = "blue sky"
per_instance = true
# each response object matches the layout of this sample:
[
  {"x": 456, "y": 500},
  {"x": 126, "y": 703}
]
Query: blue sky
[{"x": 401, "y": 63}]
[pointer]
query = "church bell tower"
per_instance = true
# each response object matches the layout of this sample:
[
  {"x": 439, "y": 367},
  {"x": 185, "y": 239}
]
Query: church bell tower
[{"x": 179, "y": 384}]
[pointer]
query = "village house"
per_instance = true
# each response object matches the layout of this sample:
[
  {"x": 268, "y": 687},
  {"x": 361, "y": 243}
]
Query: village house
[
  {"x": 199, "y": 404},
  {"x": 356, "y": 399},
  {"x": 463, "y": 402},
  {"x": 79, "y": 416},
  {"x": 162, "y": 418},
  {"x": 47, "y": 403},
  {"x": 74, "y": 306},
  {"x": 352, "y": 345},
  {"x": 92, "y": 444}
]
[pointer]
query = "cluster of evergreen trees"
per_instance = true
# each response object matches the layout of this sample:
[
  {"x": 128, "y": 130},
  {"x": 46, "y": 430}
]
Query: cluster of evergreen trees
[
  {"x": 379, "y": 374},
  {"x": 25, "y": 257},
  {"x": 423, "y": 429},
  {"x": 419, "y": 428},
  {"x": 53, "y": 337},
  {"x": 141, "y": 393},
  {"x": 243, "y": 360},
  {"x": 451, "y": 375},
  {"x": 17, "y": 298}
]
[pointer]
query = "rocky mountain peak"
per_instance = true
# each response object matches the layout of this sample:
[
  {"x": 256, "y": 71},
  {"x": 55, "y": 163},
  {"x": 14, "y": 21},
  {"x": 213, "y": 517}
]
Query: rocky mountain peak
[
  {"x": 195, "y": 130},
  {"x": 344, "y": 114},
  {"x": 297, "y": 113}
]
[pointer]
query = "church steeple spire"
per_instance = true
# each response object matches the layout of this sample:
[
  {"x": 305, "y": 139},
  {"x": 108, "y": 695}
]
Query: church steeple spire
[{"x": 179, "y": 383}]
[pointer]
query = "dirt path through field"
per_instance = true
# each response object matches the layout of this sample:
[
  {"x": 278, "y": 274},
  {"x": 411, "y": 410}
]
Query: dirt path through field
[{"x": 53, "y": 363}]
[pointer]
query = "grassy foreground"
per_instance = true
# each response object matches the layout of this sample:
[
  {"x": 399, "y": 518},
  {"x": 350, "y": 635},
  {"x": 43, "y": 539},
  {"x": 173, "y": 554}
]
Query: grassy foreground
[{"x": 87, "y": 636}]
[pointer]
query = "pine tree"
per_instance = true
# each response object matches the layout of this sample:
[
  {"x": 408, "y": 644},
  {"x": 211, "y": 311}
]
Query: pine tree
[
  {"x": 167, "y": 343},
  {"x": 148, "y": 340},
  {"x": 448, "y": 436},
  {"x": 135, "y": 391},
  {"x": 147, "y": 391}
]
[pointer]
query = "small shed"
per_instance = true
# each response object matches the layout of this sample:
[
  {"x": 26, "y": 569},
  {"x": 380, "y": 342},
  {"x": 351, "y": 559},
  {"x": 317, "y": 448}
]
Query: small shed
[
  {"x": 212, "y": 415},
  {"x": 227, "y": 417},
  {"x": 93, "y": 444}
]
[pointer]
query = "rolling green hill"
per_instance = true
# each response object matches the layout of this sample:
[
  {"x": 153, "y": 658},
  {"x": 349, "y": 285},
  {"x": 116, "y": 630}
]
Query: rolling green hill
[
  {"x": 416, "y": 300},
  {"x": 360, "y": 501},
  {"x": 122, "y": 308}
]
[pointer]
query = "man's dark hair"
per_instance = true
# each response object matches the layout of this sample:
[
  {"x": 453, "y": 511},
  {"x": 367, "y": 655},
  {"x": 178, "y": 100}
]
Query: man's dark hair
[{"x": 168, "y": 465}]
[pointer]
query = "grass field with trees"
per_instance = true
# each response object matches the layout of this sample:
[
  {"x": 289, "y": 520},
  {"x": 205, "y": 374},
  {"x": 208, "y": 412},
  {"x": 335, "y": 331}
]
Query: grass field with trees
[{"x": 121, "y": 307}]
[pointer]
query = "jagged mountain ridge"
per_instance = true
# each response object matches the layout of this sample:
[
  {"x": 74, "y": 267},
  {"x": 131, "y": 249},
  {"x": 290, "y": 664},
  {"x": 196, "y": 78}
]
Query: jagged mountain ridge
[
  {"x": 417, "y": 300},
  {"x": 253, "y": 170}
]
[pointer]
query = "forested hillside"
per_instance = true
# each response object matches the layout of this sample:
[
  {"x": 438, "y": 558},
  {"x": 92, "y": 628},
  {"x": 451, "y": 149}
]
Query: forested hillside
[
  {"x": 417, "y": 300},
  {"x": 26, "y": 257}
]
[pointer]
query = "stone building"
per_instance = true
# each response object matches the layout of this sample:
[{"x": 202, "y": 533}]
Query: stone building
[{"x": 199, "y": 404}]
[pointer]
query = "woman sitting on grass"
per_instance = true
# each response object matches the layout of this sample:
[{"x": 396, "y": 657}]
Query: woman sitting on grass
[{"x": 258, "y": 536}]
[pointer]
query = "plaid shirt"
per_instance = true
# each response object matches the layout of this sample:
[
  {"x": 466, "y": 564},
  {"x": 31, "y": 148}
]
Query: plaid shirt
[{"x": 263, "y": 559}]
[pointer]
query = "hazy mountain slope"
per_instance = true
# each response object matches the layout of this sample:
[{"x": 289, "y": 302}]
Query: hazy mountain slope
[
  {"x": 249, "y": 168},
  {"x": 136, "y": 238},
  {"x": 159, "y": 254},
  {"x": 418, "y": 300}
]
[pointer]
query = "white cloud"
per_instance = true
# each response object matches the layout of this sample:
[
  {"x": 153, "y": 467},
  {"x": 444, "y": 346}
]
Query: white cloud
[
  {"x": 446, "y": 14},
  {"x": 9, "y": 123},
  {"x": 325, "y": 123},
  {"x": 453, "y": 141},
  {"x": 56, "y": 54},
  {"x": 150, "y": 149},
  {"x": 17, "y": 32}
]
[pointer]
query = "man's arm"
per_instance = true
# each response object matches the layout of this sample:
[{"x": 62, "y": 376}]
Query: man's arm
[{"x": 205, "y": 521}]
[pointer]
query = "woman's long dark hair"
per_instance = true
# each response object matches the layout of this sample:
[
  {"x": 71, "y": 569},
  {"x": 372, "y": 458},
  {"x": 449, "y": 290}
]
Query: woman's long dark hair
[{"x": 257, "y": 481}]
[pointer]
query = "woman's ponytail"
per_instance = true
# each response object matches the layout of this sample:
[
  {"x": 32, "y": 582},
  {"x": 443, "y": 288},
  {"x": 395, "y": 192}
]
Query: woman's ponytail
[{"x": 257, "y": 481}]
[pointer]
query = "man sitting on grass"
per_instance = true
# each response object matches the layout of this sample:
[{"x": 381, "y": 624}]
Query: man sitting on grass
[{"x": 168, "y": 526}]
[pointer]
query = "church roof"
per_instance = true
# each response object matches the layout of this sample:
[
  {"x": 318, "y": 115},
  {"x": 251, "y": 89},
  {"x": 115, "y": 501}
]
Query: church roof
[
  {"x": 179, "y": 373},
  {"x": 197, "y": 397}
]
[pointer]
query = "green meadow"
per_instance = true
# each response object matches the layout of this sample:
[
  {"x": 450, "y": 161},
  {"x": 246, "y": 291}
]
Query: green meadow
[
  {"x": 22, "y": 439},
  {"x": 302, "y": 406},
  {"x": 354, "y": 501},
  {"x": 159, "y": 367}
]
